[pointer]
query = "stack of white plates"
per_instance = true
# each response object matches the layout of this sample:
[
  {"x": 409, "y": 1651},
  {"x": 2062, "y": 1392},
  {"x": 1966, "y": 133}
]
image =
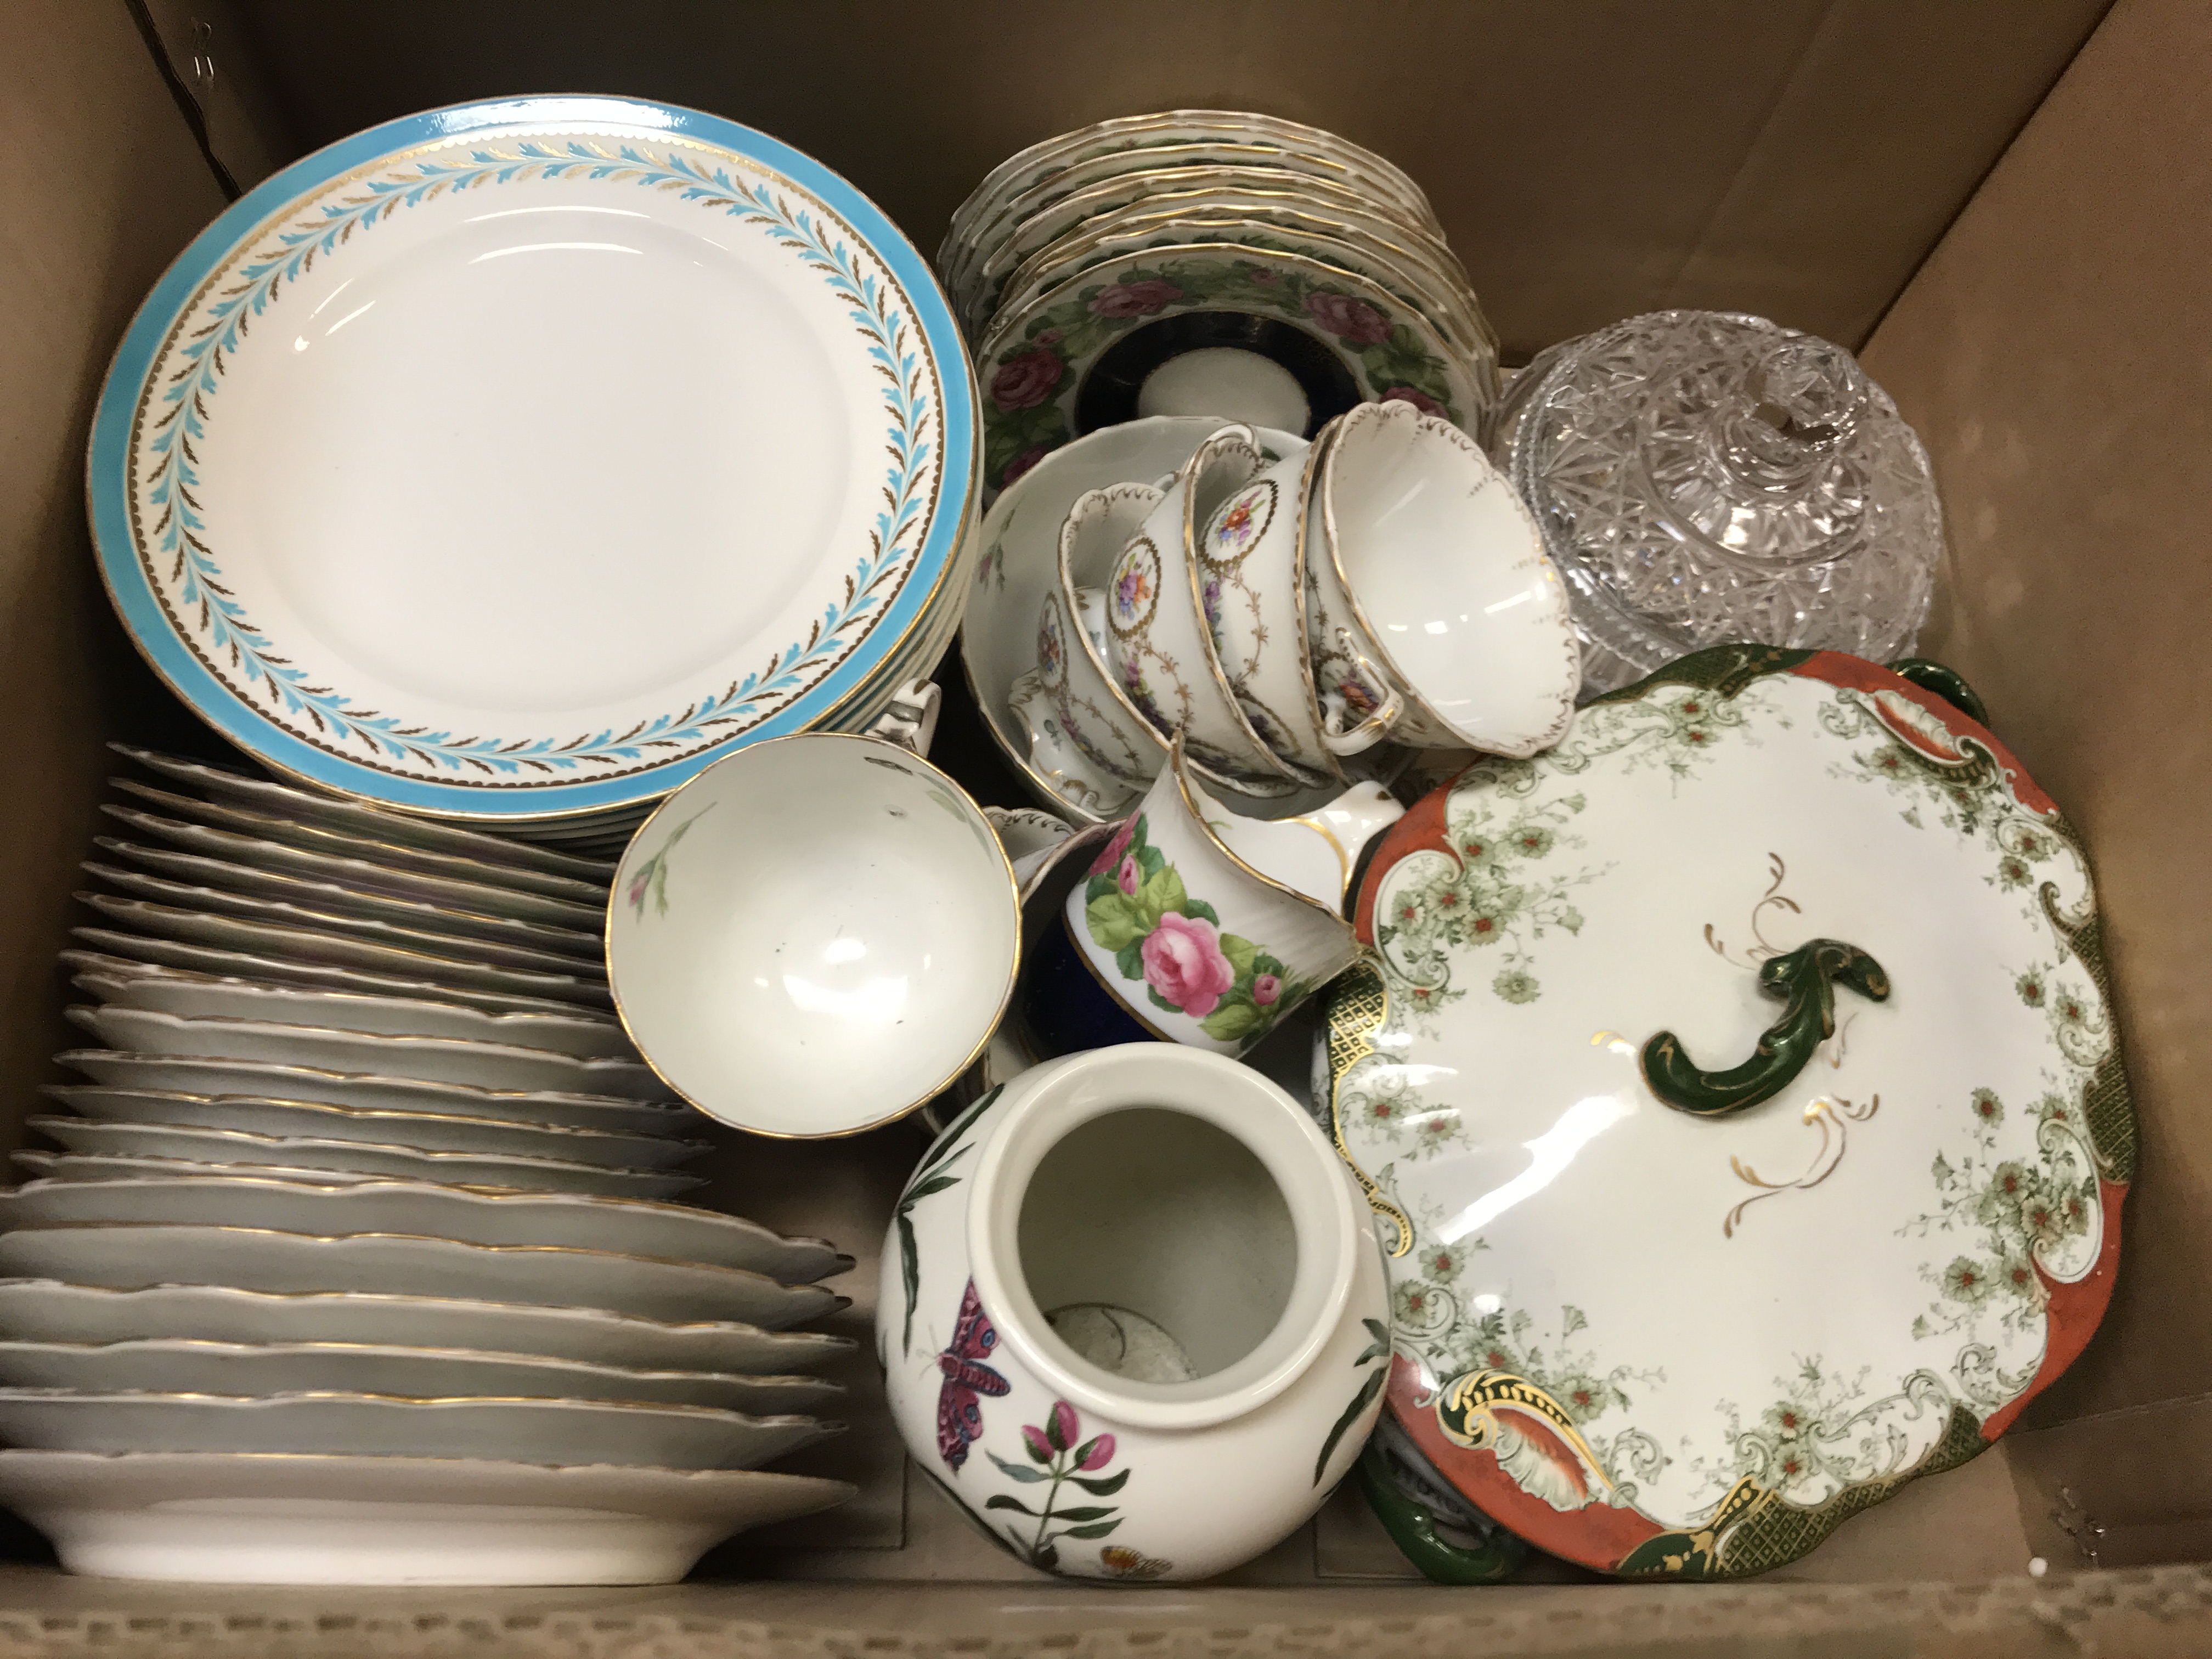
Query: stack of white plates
[
  {"x": 365, "y": 1172},
  {"x": 1207, "y": 262},
  {"x": 509, "y": 464}
]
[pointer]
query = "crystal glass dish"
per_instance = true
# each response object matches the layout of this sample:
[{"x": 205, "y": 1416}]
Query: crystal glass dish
[{"x": 1702, "y": 477}]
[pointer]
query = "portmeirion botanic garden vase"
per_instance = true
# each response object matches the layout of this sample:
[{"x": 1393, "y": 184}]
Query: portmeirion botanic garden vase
[
  {"x": 1133, "y": 1315},
  {"x": 1200, "y": 945},
  {"x": 1740, "y": 1088}
]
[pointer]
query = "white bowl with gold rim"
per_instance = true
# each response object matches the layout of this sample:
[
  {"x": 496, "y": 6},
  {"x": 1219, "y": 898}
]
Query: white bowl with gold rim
[{"x": 814, "y": 936}]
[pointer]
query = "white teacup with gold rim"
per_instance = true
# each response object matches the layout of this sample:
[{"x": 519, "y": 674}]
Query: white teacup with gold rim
[
  {"x": 1427, "y": 563},
  {"x": 1073, "y": 671},
  {"x": 1197, "y": 944},
  {"x": 1156, "y": 627}
]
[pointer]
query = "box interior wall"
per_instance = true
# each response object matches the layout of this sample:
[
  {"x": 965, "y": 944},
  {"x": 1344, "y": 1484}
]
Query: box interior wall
[{"x": 2000, "y": 203}]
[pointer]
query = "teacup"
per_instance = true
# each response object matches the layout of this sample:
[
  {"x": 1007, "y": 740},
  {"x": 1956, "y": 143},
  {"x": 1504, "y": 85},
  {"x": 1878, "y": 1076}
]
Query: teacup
[
  {"x": 1156, "y": 626},
  {"x": 1116, "y": 740},
  {"x": 1195, "y": 943},
  {"x": 1430, "y": 565},
  {"x": 1251, "y": 567}
]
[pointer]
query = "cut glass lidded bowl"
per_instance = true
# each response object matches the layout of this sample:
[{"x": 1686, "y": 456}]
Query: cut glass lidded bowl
[{"x": 1705, "y": 476}]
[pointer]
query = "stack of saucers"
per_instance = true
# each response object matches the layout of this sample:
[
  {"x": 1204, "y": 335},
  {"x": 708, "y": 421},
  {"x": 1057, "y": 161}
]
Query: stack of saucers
[
  {"x": 1207, "y": 262},
  {"x": 366, "y": 1173}
]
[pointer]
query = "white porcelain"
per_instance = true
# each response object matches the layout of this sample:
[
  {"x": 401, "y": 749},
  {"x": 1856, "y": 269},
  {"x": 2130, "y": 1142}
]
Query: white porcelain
[
  {"x": 322, "y": 947},
  {"x": 1029, "y": 836},
  {"x": 131, "y": 1255},
  {"x": 674, "y": 1231},
  {"x": 1443, "y": 576},
  {"x": 1317, "y": 852},
  {"x": 1020, "y": 564},
  {"x": 537, "y": 1109},
  {"x": 305, "y": 810},
  {"x": 48, "y": 1311},
  {"x": 1051, "y": 762},
  {"x": 187, "y": 1365},
  {"x": 362, "y": 876},
  {"x": 1156, "y": 636},
  {"x": 1893, "y": 1191},
  {"x": 122, "y": 984},
  {"x": 814, "y": 936},
  {"x": 1251, "y": 570},
  {"x": 1091, "y": 710},
  {"x": 777, "y": 370},
  {"x": 1135, "y": 1285},
  {"x": 502, "y": 1430},
  {"x": 428, "y": 1132},
  {"x": 439, "y": 935},
  {"x": 141, "y": 1151},
  {"x": 213, "y": 1517},
  {"x": 1197, "y": 944},
  {"x": 298, "y": 843},
  {"x": 147, "y": 955},
  {"x": 433, "y": 1059}
]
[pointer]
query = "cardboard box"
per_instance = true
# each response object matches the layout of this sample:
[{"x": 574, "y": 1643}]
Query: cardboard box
[{"x": 2003, "y": 201}]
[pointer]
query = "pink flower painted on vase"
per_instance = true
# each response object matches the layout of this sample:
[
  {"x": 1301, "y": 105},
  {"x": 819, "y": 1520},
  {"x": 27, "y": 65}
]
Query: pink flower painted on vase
[
  {"x": 1266, "y": 988},
  {"x": 1064, "y": 1427},
  {"x": 1127, "y": 877},
  {"x": 1040, "y": 1448},
  {"x": 1420, "y": 400},
  {"x": 1183, "y": 963},
  {"x": 1117, "y": 845},
  {"x": 1096, "y": 1456},
  {"x": 1135, "y": 299},
  {"x": 1025, "y": 381},
  {"x": 1349, "y": 319}
]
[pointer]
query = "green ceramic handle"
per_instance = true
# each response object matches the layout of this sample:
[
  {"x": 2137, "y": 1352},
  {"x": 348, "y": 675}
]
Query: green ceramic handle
[
  {"x": 1413, "y": 1529},
  {"x": 1806, "y": 981},
  {"x": 1946, "y": 683}
]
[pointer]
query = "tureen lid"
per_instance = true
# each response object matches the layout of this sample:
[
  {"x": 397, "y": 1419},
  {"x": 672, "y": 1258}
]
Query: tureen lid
[{"x": 1740, "y": 1082}]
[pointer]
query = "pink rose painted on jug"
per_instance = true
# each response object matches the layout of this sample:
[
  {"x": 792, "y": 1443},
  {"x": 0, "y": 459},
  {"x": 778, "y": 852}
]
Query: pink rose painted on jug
[
  {"x": 1183, "y": 963},
  {"x": 1349, "y": 319},
  {"x": 1135, "y": 299},
  {"x": 1025, "y": 381},
  {"x": 1116, "y": 845},
  {"x": 1128, "y": 877},
  {"x": 1266, "y": 988}
]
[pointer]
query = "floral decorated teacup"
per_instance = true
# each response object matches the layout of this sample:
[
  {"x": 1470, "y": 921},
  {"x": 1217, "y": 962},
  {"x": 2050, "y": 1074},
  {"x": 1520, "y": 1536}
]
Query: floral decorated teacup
[
  {"x": 1251, "y": 572},
  {"x": 1134, "y": 1316},
  {"x": 1116, "y": 740},
  {"x": 1428, "y": 564},
  {"x": 1196, "y": 944},
  {"x": 1156, "y": 626}
]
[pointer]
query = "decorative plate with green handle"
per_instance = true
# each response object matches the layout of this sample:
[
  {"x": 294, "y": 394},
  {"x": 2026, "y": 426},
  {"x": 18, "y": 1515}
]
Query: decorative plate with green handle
[{"x": 1740, "y": 1082}]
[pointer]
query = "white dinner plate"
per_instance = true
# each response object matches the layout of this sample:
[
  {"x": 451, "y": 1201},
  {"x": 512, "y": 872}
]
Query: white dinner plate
[
  {"x": 186, "y": 1365},
  {"x": 123, "y": 984},
  {"x": 322, "y": 948},
  {"x": 144, "y": 1151},
  {"x": 130, "y": 1256},
  {"x": 275, "y": 861},
  {"x": 434, "y": 1059},
  {"x": 51, "y": 1310},
  {"x": 356, "y": 845},
  {"x": 214, "y": 1517},
  {"x": 444, "y": 934},
  {"x": 517, "y": 1431},
  {"x": 688, "y": 445},
  {"x": 348, "y": 1104},
  {"x": 675, "y": 1232}
]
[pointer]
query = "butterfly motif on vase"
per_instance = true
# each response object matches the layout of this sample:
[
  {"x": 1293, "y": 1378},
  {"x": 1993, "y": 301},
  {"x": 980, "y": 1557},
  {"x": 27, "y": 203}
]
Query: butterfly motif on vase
[{"x": 959, "y": 1405}]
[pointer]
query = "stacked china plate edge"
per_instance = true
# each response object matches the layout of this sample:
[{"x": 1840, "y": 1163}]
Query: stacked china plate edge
[
  {"x": 1207, "y": 262},
  {"x": 362, "y": 1172},
  {"x": 549, "y": 620}
]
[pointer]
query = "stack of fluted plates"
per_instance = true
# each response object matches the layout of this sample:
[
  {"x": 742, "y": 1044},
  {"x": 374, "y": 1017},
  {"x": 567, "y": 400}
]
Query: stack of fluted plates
[
  {"x": 362, "y": 503},
  {"x": 1207, "y": 262},
  {"x": 365, "y": 1173}
]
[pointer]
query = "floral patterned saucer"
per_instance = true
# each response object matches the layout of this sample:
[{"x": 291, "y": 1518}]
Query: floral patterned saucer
[{"x": 1664, "y": 1312}]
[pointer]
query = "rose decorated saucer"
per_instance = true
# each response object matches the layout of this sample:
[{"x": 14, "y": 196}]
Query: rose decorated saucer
[
  {"x": 1774, "y": 992},
  {"x": 511, "y": 461}
]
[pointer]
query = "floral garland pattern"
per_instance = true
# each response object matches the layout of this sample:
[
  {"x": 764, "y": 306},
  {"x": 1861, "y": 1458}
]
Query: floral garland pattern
[
  {"x": 179, "y": 531},
  {"x": 1135, "y": 905},
  {"x": 1028, "y": 390}
]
